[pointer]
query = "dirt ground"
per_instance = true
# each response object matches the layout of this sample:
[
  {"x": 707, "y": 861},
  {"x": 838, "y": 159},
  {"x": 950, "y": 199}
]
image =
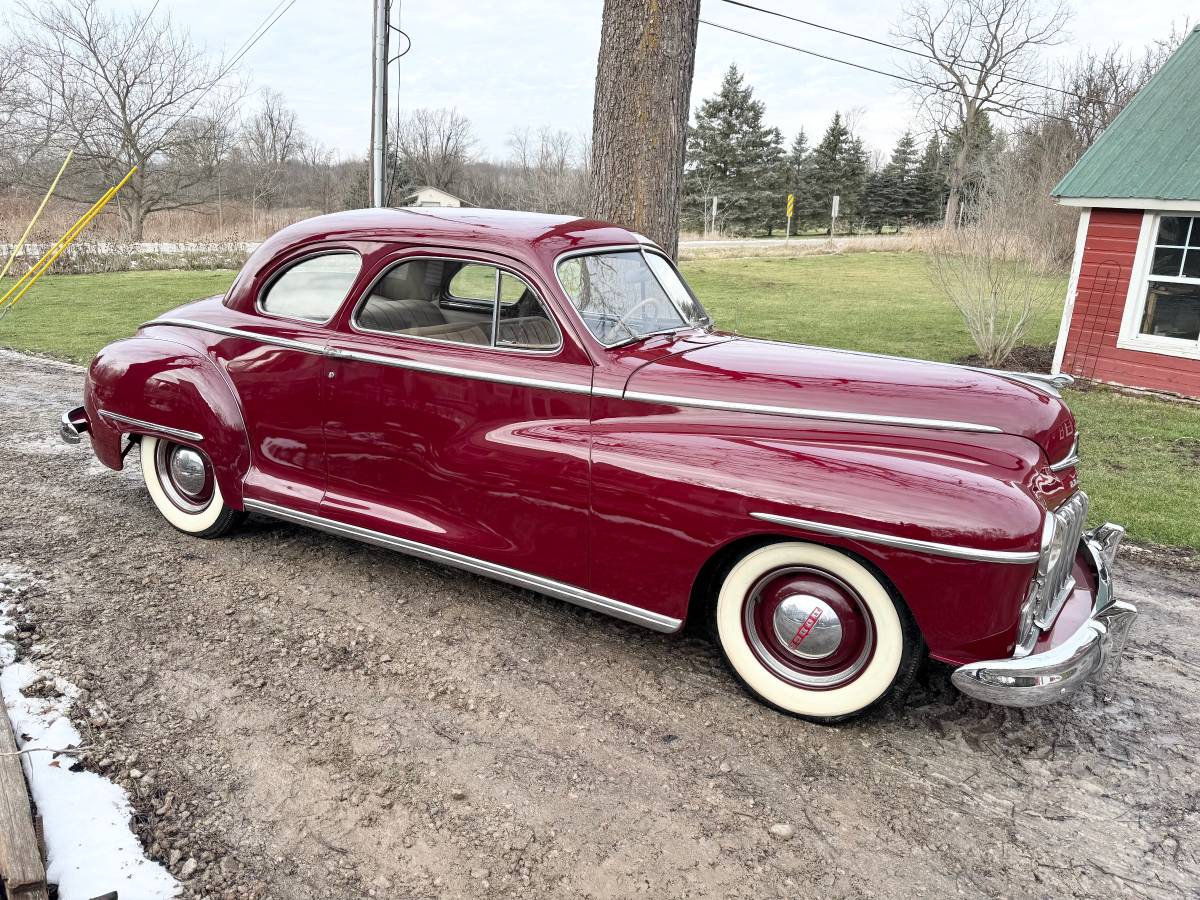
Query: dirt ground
[{"x": 310, "y": 717}]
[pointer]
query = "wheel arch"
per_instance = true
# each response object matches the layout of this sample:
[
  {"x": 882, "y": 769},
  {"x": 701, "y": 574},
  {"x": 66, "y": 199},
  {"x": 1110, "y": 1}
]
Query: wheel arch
[
  {"x": 708, "y": 580},
  {"x": 163, "y": 388}
]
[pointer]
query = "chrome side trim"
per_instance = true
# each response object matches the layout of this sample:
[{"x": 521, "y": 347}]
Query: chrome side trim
[
  {"x": 380, "y": 359},
  {"x": 547, "y": 586},
  {"x": 800, "y": 413},
  {"x": 1008, "y": 557},
  {"x": 303, "y": 346},
  {"x": 439, "y": 369},
  {"x": 141, "y": 424},
  {"x": 567, "y": 387}
]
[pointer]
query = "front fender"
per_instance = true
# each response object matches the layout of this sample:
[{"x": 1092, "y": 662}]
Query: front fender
[
  {"x": 691, "y": 482},
  {"x": 172, "y": 386}
]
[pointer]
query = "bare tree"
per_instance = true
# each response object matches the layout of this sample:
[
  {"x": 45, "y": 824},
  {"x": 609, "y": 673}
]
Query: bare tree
[
  {"x": 120, "y": 92},
  {"x": 982, "y": 60},
  {"x": 319, "y": 176},
  {"x": 640, "y": 115},
  {"x": 271, "y": 141},
  {"x": 1096, "y": 86},
  {"x": 434, "y": 146},
  {"x": 992, "y": 268},
  {"x": 14, "y": 97}
]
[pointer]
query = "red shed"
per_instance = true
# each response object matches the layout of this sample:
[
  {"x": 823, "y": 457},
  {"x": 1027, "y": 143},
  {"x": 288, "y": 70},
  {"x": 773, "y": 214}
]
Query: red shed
[{"x": 1132, "y": 315}]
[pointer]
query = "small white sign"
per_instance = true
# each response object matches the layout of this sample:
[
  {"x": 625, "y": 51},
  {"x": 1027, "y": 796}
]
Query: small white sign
[{"x": 836, "y": 201}]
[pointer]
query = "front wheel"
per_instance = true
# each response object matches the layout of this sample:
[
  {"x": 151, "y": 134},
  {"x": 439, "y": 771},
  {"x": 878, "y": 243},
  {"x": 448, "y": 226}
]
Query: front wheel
[
  {"x": 182, "y": 485},
  {"x": 813, "y": 632}
]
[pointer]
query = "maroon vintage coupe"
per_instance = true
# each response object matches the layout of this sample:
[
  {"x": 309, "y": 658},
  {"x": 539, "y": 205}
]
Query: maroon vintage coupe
[{"x": 543, "y": 400}]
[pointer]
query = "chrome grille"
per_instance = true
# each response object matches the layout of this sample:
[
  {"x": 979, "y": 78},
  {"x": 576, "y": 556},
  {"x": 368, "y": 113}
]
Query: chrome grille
[
  {"x": 1062, "y": 532},
  {"x": 1058, "y": 558}
]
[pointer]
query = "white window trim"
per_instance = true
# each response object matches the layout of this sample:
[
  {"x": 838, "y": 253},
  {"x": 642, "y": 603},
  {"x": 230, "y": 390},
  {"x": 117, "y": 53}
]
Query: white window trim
[
  {"x": 1064, "y": 326},
  {"x": 1130, "y": 338}
]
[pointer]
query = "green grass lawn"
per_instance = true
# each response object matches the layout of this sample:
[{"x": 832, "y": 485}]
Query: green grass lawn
[
  {"x": 73, "y": 316},
  {"x": 879, "y": 302},
  {"x": 1141, "y": 456}
]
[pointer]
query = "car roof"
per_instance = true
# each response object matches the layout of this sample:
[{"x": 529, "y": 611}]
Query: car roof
[
  {"x": 520, "y": 235},
  {"x": 481, "y": 227}
]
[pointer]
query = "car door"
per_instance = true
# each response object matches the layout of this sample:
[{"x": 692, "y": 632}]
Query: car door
[
  {"x": 282, "y": 383},
  {"x": 458, "y": 415}
]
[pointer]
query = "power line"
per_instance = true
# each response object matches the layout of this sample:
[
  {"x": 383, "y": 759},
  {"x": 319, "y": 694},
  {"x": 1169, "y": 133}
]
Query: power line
[
  {"x": 246, "y": 46},
  {"x": 893, "y": 75},
  {"x": 141, "y": 27},
  {"x": 909, "y": 50}
]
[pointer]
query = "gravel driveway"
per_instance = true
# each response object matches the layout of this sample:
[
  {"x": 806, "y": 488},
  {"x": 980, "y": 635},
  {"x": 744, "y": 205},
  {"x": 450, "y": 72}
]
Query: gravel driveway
[{"x": 315, "y": 718}]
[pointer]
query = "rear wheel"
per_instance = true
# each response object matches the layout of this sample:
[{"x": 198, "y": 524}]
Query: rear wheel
[
  {"x": 183, "y": 486},
  {"x": 813, "y": 632}
]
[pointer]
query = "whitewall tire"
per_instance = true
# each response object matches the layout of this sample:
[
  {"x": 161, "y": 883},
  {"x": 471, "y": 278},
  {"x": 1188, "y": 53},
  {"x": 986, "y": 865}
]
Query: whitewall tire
[
  {"x": 812, "y": 631},
  {"x": 182, "y": 485}
]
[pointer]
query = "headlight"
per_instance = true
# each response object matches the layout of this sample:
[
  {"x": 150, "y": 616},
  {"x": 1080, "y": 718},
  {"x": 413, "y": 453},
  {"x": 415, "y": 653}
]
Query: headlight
[{"x": 1052, "y": 584}]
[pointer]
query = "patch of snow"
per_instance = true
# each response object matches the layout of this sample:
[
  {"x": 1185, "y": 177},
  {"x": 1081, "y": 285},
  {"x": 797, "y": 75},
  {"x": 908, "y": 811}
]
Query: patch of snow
[{"x": 89, "y": 845}]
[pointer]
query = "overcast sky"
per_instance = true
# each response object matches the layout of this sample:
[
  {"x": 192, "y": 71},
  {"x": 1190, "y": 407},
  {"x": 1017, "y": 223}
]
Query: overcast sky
[{"x": 513, "y": 63}]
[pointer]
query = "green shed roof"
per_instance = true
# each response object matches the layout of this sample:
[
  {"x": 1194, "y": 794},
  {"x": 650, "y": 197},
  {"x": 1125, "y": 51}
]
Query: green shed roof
[{"x": 1152, "y": 148}]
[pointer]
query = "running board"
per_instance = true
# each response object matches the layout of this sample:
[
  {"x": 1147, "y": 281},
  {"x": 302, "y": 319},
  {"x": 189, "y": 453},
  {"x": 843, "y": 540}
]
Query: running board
[{"x": 547, "y": 586}]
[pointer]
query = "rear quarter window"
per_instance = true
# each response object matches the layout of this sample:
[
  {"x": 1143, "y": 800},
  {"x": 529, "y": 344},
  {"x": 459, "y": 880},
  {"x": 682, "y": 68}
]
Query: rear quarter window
[{"x": 313, "y": 288}]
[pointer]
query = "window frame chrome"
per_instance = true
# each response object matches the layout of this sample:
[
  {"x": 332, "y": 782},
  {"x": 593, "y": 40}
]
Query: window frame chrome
[{"x": 354, "y": 327}]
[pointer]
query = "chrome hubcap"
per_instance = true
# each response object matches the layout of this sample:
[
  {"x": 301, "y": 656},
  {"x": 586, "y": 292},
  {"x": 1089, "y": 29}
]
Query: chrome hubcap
[
  {"x": 187, "y": 471},
  {"x": 807, "y": 627},
  {"x": 184, "y": 475}
]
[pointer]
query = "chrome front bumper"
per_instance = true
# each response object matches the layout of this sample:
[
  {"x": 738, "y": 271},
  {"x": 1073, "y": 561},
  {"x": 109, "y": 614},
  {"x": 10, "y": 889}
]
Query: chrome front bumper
[{"x": 1091, "y": 654}]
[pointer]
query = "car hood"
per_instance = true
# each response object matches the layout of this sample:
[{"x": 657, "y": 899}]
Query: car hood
[{"x": 858, "y": 386}]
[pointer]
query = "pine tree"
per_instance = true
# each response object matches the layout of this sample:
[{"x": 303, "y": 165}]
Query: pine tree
[
  {"x": 733, "y": 155},
  {"x": 929, "y": 185},
  {"x": 896, "y": 198},
  {"x": 801, "y": 184},
  {"x": 839, "y": 167}
]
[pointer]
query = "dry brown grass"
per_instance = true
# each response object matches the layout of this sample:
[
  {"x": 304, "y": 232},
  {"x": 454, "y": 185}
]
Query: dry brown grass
[
  {"x": 919, "y": 240},
  {"x": 232, "y": 222}
]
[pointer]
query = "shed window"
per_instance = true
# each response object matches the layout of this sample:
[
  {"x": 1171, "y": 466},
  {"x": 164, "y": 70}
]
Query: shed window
[{"x": 1172, "y": 307}]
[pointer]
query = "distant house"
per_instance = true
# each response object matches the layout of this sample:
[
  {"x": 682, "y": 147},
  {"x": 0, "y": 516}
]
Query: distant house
[
  {"x": 431, "y": 196},
  {"x": 1133, "y": 305}
]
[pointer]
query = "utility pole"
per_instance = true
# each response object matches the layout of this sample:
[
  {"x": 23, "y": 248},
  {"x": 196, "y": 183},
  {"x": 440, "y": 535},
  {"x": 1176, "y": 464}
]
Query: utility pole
[{"x": 379, "y": 92}]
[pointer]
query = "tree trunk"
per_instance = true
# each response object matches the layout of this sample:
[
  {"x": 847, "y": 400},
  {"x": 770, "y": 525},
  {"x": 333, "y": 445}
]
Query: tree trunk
[
  {"x": 954, "y": 193},
  {"x": 640, "y": 117},
  {"x": 957, "y": 176}
]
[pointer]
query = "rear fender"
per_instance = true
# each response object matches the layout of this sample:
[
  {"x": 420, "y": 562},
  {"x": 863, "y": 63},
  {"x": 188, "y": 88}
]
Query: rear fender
[{"x": 163, "y": 388}]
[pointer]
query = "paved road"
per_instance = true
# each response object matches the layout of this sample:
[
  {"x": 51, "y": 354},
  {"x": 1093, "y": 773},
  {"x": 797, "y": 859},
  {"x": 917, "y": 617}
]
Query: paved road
[{"x": 324, "y": 719}]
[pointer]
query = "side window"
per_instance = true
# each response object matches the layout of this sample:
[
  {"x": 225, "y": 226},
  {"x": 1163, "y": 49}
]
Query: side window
[
  {"x": 446, "y": 300},
  {"x": 314, "y": 288}
]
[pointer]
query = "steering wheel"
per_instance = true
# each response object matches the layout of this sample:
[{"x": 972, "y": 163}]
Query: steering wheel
[{"x": 620, "y": 323}]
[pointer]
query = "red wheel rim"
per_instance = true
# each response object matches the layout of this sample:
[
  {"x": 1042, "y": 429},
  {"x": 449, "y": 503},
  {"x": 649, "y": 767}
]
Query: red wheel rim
[{"x": 809, "y": 627}]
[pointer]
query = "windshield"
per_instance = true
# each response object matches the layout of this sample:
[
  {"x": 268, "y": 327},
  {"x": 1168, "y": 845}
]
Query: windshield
[{"x": 624, "y": 295}]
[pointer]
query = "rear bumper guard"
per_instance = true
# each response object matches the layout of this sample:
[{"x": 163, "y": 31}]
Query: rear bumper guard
[{"x": 74, "y": 425}]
